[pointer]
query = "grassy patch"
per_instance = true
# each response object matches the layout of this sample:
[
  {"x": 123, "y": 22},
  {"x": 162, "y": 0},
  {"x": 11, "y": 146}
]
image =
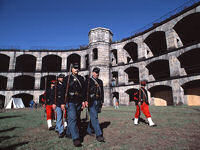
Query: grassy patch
[{"x": 178, "y": 128}]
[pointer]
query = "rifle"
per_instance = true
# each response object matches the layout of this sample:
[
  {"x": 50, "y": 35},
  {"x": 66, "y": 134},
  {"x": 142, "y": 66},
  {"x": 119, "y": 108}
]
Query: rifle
[
  {"x": 67, "y": 88},
  {"x": 139, "y": 99},
  {"x": 88, "y": 100},
  {"x": 66, "y": 93},
  {"x": 55, "y": 91}
]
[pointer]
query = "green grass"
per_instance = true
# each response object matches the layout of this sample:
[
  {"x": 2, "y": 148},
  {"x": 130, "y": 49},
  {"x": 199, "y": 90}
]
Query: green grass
[{"x": 178, "y": 128}]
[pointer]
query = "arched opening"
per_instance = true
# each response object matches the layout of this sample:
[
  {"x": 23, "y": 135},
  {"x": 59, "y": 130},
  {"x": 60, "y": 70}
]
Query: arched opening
[
  {"x": 132, "y": 50},
  {"x": 133, "y": 74},
  {"x": 114, "y": 59},
  {"x": 4, "y": 61},
  {"x": 156, "y": 42},
  {"x": 26, "y": 98},
  {"x": 188, "y": 28},
  {"x": 46, "y": 80},
  {"x": 87, "y": 61},
  {"x": 190, "y": 61},
  {"x": 51, "y": 63},
  {"x": 192, "y": 92},
  {"x": 162, "y": 95},
  {"x": 2, "y": 101},
  {"x": 95, "y": 53},
  {"x": 131, "y": 92},
  {"x": 24, "y": 82},
  {"x": 3, "y": 83},
  {"x": 73, "y": 58},
  {"x": 114, "y": 81},
  {"x": 159, "y": 69},
  {"x": 25, "y": 63}
]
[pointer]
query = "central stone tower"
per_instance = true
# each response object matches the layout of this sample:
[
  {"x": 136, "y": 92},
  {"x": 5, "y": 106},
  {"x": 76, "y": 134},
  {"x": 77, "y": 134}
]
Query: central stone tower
[{"x": 99, "y": 56}]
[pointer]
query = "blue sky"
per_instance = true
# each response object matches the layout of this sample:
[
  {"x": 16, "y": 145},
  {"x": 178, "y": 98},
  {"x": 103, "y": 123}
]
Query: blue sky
[{"x": 64, "y": 24}]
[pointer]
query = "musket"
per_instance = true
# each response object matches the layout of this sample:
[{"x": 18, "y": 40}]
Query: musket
[
  {"x": 88, "y": 100},
  {"x": 66, "y": 93},
  {"x": 55, "y": 97},
  {"x": 67, "y": 87},
  {"x": 55, "y": 91},
  {"x": 139, "y": 92}
]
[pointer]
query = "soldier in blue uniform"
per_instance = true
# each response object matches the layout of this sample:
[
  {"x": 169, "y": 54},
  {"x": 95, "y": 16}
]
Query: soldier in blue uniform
[
  {"x": 95, "y": 102},
  {"x": 59, "y": 105},
  {"x": 75, "y": 96}
]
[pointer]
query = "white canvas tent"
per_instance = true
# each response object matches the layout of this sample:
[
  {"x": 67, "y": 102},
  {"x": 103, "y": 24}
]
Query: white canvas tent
[{"x": 17, "y": 103}]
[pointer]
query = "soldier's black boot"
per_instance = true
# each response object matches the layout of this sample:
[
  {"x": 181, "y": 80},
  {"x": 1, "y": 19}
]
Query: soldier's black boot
[
  {"x": 51, "y": 128},
  {"x": 100, "y": 138},
  {"x": 61, "y": 135},
  {"x": 77, "y": 143},
  {"x": 68, "y": 136}
]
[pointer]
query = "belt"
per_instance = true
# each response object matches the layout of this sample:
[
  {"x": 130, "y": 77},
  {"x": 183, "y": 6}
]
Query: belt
[
  {"x": 96, "y": 95},
  {"x": 74, "y": 93}
]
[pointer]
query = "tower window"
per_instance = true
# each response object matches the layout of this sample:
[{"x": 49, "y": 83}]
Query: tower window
[{"x": 95, "y": 54}]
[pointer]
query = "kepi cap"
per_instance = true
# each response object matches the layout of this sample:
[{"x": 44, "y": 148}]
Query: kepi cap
[
  {"x": 96, "y": 69},
  {"x": 61, "y": 76},
  {"x": 75, "y": 66}
]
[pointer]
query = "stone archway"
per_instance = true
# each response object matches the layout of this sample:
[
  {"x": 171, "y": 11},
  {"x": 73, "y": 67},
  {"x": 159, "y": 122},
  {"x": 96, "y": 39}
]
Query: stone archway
[
  {"x": 192, "y": 92},
  {"x": 161, "y": 95}
]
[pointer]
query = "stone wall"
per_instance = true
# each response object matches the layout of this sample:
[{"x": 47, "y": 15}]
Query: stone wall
[{"x": 162, "y": 55}]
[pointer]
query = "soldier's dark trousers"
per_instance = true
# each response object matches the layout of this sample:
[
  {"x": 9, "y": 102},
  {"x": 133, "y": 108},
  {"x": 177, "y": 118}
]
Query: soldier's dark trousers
[
  {"x": 73, "y": 111},
  {"x": 93, "y": 110}
]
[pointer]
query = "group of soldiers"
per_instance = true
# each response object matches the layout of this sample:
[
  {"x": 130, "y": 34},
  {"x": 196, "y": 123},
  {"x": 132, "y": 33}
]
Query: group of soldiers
[{"x": 67, "y": 96}]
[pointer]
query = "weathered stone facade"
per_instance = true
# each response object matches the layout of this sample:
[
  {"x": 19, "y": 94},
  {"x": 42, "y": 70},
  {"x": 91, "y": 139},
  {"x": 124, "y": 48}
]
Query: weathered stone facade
[{"x": 167, "y": 55}]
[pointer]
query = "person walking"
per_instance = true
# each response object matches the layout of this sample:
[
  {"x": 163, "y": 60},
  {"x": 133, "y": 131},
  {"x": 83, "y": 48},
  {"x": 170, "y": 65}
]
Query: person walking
[
  {"x": 59, "y": 105},
  {"x": 75, "y": 95},
  {"x": 95, "y": 102},
  {"x": 142, "y": 104}
]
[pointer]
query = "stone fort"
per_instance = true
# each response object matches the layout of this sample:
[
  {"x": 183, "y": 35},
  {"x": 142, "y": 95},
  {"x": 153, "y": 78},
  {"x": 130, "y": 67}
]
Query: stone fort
[{"x": 167, "y": 55}]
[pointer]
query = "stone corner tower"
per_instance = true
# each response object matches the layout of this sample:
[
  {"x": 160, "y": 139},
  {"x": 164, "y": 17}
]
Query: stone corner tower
[{"x": 99, "y": 56}]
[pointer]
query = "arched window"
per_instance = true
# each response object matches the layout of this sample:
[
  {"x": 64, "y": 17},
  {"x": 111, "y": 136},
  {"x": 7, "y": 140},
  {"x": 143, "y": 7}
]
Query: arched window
[
  {"x": 156, "y": 42},
  {"x": 3, "y": 83},
  {"x": 188, "y": 28},
  {"x": 133, "y": 74},
  {"x": 162, "y": 95},
  {"x": 132, "y": 50},
  {"x": 25, "y": 63},
  {"x": 190, "y": 61},
  {"x": 24, "y": 82},
  {"x": 73, "y": 58},
  {"x": 159, "y": 69},
  {"x": 51, "y": 63},
  {"x": 4, "y": 63}
]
